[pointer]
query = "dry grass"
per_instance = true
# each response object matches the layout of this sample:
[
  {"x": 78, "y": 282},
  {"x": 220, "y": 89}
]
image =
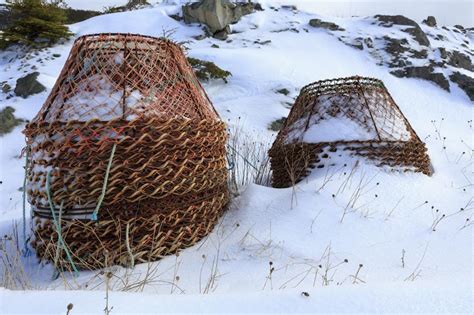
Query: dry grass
[
  {"x": 248, "y": 159},
  {"x": 13, "y": 273}
]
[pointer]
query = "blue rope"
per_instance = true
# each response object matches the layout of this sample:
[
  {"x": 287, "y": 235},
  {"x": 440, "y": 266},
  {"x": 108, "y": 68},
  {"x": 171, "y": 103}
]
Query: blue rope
[{"x": 58, "y": 227}]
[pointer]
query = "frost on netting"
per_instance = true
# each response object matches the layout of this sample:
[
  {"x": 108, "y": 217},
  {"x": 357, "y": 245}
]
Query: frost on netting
[
  {"x": 356, "y": 115},
  {"x": 133, "y": 151}
]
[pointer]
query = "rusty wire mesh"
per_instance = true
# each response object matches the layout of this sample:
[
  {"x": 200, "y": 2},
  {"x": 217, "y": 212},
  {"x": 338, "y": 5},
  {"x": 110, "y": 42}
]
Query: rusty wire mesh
[
  {"x": 167, "y": 185},
  {"x": 384, "y": 134}
]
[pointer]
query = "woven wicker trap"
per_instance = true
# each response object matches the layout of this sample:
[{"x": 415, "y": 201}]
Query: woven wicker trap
[
  {"x": 354, "y": 114},
  {"x": 128, "y": 151}
]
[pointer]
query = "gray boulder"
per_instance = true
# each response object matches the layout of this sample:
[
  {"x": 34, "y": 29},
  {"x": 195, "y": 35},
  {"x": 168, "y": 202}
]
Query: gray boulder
[
  {"x": 465, "y": 82},
  {"x": 28, "y": 85},
  {"x": 414, "y": 29},
  {"x": 326, "y": 25},
  {"x": 430, "y": 21},
  {"x": 217, "y": 15},
  {"x": 424, "y": 72}
]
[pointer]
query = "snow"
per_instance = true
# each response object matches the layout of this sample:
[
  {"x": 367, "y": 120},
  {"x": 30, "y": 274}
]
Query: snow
[
  {"x": 330, "y": 130},
  {"x": 399, "y": 298},
  {"x": 355, "y": 211},
  {"x": 97, "y": 97},
  {"x": 330, "y": 123}
]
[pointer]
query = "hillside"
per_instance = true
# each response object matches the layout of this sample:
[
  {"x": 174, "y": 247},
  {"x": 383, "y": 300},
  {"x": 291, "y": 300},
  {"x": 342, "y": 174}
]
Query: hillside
[{"x": 349, "y": 238}]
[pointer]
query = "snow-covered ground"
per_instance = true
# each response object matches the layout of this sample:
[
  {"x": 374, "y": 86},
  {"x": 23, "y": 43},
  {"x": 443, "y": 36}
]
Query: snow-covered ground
[{"x": 350, "y": 238}]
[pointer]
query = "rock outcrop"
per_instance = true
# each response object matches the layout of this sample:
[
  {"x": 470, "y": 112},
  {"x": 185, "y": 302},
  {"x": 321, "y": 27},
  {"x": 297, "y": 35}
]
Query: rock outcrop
[
  {"x": 414, "y": 29},
  {"x": 217, "y": 15},
  {"x": 326, "y": 25},
  {"x": 429, "y": 52},
  {"x": 465, "y": 83},
  {"x": 460, "y": 60},
  {"x": 425, "y": 72}
]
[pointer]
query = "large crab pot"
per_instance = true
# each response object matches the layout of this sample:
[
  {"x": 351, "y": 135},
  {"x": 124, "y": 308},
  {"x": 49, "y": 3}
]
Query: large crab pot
[
  {"x": 355, "y": 115},
  {"x": 126, "y": 156}
]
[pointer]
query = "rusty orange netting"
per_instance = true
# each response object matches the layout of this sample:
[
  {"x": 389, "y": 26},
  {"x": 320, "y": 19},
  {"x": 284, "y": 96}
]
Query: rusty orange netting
[
  {"x": 356, "y": 115},
  {"x": 126, "y": 156}
]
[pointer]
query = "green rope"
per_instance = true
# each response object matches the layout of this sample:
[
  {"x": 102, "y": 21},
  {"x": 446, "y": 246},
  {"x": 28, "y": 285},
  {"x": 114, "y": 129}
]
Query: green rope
[
  {"x": 58, "y": 249},
  {"x": 58, "y": 227},
  {"x": 104, "y": 187}
]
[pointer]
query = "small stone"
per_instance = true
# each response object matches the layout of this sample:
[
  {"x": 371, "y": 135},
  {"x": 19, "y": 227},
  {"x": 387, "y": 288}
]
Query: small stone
[
  {"x": 368, "y": 42},
  {"x": 258, "y": 7},
  {"x": 289, "y": 7},
  {"x": 200, "y": 37},
  {"x": 357, "y": 43},
  {"x": 6, "y": 88},
  {"x": 222, "y": 35},
  {"x": 265, "y": 42},
  {"x": 283, "y": 91}
]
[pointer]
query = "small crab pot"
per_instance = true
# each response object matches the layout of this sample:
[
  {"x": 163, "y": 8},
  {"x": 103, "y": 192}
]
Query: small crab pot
[
  {"x": 354, "y": 115},
  {"x": 126, "y": 157}
]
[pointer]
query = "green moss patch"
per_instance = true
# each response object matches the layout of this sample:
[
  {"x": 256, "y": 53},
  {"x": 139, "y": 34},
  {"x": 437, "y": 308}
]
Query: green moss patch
[
  {"x": 277, "y": 124},
  {"x": 8, "y": 121},
  {"x": 206, "y": 70}
]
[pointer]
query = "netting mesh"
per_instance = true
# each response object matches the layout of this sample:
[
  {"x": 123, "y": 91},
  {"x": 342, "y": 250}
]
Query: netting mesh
[
  {"x": 111, "y": 76},
  {"x": 167, "y": 184},
  {"x": 352, "y": 114}
]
